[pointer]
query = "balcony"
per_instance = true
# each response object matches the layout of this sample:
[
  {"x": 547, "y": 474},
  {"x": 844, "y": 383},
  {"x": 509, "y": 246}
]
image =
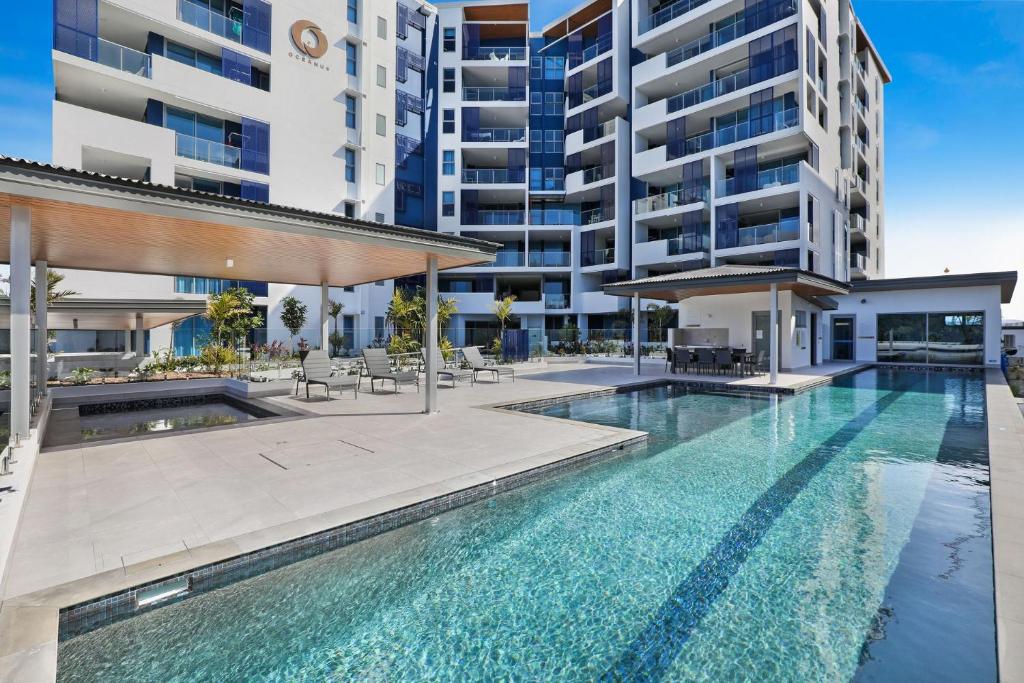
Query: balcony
[
  {"x": 556, "y": 301},
  {"x": 498, "y": 217},
  {"x": 689, "y": 244},
  {"x": 858, "y": 262},
  {"x": 789, "y": 118},
  {"x": 209, "y": 151},
  {"x": 124, "y": 58},
  {"x": 493, "y": 94},
  {"x": 603, "y": 44},
  {"x": 858, "y": 223},
  {"x": 215, "y": 23},
  {"x": 775, "y": 177},
  {"x": 597, "y": 257},
  {"x": 667, "y": 14},
  {"x": 727, "y": 34},
  {"x": 861, "y": 144},
  {"x": 495, "y": 54},
  {"x": 596, "y": 173},
  {"x": 553, "y": 217},
  {"x": 493, "y": 176},
  {"x": 598, "y": 215},
  {"x": 859, "y": 67},
  {"x": 672, "y": 199},
  {"x": 784, "y": 230},
  {"x": 550, "y": 259},
  {"x": 507, "y": 135},
  {"x": 508, "y": 259}
]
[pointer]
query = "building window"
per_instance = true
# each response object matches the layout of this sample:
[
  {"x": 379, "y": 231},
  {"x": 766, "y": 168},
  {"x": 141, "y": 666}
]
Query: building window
[
  {"x": 536, "y": 103},
  {"x": 800, "y": 321},
  {"x": 351, "y": 59},
  {"x": 194, "y": 58},
  {"x": 382, "y": 28},
  {"x": 553, "y": 141},
  {"x": 350, "y": 111},
  {"x": 449, "y": 80},
  {"x": 353, "y": 11},
  {"x": 448, "y": 164},
  {"x": 382, "y": 125},
  {"x": 379, "y": 217},
  {"x": 554, "y": 104},
  {"x": 449, "y": 39},
  {"x": 447, "y": 203},
  {"x": 382, "y": 76},
  {"x": 350, "y": 209},
  {"x": 378, "y": 326},
  {"x": 380, "y": 174},
  {"x": 448, "y": 121},
  {"x": 350, "y": 165}
]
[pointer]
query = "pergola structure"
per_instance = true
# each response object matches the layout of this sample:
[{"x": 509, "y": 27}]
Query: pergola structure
[
  {"x": 729, "y": 279},
  {"x": 58, "y": 217}
]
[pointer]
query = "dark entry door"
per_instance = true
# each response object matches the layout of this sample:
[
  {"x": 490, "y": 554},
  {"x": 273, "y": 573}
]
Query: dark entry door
[
  {"x": 842, "y": 338},
  {"x": 814, "y": 338}
]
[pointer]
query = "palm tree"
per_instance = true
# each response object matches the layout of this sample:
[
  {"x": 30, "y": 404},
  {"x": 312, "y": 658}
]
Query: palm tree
[
  {"x": 334, "y": 309},
  {"x": 503, "y": 311},
  {"x": 53, "y": 295}
]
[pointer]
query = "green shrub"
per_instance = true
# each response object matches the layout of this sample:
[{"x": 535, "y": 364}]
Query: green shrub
[{"x": 81, "y": 376}]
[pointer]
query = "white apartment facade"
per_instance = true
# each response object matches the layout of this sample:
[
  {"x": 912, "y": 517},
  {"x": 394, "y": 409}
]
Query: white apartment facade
[
  {"x": 294, "y": 102},
  {"x": 627, "y": 138}
]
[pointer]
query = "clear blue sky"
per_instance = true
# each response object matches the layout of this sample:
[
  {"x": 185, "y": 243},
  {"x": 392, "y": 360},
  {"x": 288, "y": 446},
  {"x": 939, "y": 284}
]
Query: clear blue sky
[{"x": 953, "y": 124}]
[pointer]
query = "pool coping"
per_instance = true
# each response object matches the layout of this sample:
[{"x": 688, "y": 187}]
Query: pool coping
[
  {"x": 1006, "y": 475},
  {"x": 30, "y": 624}
]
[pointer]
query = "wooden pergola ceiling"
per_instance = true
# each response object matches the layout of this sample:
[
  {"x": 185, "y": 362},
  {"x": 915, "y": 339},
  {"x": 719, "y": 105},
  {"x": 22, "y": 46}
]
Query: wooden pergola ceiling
[
  {"x": 111, "y": 314},
  {"x": 79, "y": 221},
  {"x": 508, "y": 12},
  {"x": 581, "y": 18}
]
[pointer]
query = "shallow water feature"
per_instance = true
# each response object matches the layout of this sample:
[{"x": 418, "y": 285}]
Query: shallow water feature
[{"x": 837, "y": 534}]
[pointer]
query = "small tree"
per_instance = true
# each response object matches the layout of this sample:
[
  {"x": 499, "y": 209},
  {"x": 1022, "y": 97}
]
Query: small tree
[
  {"x": 503, "y": 312},
  {"x": 659, "y": 317},
  {"x": 293, "y": 317},
  {"x": 334, "y": 309}
]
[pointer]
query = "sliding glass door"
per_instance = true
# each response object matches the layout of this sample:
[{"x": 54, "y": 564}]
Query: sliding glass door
[{"x": 955, "y": 338}]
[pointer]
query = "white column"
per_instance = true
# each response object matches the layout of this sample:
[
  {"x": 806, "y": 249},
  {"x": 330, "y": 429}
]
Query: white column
[
  {"x": 325, "y": 317},
  {"x": 773, "y": 337},
  {"x": 128, "y": 341},
  {"x": 432, "y": 348},
  {"x": 21, "y": 283},
  {"x": 140, "y": 337},
  {"x": 636, "y": 333},
  {"x": 41, "y": 327}
]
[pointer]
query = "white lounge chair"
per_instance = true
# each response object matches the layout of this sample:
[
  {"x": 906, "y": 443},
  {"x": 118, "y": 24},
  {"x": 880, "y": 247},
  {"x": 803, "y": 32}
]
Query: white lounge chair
[
  {"x": 445, "y": 371},
  {"x": 476, "y": 363},
  {"x": 378, "y": 367},
  {"x": 316, "y": 369}
]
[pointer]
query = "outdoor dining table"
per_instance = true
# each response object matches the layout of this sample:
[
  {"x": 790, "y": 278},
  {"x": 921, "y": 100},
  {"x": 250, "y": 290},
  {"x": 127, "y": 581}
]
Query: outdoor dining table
[{"x": 741, "y": 357}]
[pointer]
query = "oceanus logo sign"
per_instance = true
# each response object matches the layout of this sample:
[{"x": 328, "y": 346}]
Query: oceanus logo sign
[{"x": 310, "y": 42}]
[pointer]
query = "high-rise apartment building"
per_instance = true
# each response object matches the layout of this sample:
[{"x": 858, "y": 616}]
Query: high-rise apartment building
[{"x": 626, "y": 138}]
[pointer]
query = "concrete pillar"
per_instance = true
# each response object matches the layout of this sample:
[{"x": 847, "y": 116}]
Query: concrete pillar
[
  {"x": 636, "y": 333},
  {"x": 41, "y": 328},
  {"x": 432, "y": 347},
  {"x": 21, "y": 283},
  {"x": 325, "y": 317},
  {"x": 128, "y": 341},
  {"x": 773, "y": 337},
  {"x": 140, "y": 337}
]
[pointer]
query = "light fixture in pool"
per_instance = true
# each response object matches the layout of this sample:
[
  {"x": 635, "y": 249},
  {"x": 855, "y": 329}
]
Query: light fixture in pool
[{"x": 164, "y": 591}]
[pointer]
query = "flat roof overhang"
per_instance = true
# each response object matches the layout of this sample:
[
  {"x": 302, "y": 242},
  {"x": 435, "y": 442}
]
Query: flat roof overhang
[
  {"x": 1006, "y": 280},
  {"x": 111, "y": 314},
  {"x": 674, "y": 287},
  {"x": 96, "y": 222}
]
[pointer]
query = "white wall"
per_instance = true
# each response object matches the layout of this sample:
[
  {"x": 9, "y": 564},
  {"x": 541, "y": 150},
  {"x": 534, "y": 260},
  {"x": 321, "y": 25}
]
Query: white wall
[{"x": 985, "y": 299}]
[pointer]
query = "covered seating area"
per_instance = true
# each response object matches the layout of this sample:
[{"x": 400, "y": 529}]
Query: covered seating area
[
  {"x": 726, "y": 316},
  {"x": 66, "y": 218}
]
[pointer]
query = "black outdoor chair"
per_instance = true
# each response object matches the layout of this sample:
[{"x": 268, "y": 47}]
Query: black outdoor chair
[
  {"x": 670, "y": 365},
  {"x": 705, "y": 359},
  {"x": 723, "y": 360}
]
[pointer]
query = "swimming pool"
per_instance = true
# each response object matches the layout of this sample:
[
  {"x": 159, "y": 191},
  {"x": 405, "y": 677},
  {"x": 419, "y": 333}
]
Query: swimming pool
[{"x": 841, "y": 533}]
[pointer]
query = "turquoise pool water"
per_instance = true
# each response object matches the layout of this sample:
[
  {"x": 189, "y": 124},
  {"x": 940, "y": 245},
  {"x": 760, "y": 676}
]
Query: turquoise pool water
[{"x": 839, "y": 534}]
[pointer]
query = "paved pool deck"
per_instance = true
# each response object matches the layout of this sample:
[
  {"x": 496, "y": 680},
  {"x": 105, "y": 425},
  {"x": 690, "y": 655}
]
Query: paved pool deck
[{"x": 102, "y": 518}]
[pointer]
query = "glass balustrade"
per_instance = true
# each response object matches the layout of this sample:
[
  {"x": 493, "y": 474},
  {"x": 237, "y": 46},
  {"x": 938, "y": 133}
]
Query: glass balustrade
[
  {"x": 214, "y": 22},
  {"x": 550, "y": 259},
  {"x": 667, "y": 14},
  {"x": 689, "y": 244},
  {"x": 556, "y": 301},
  {"x": 726, "y": 34},
  {"x": 768, "y": 233},
  {"x": 493, "y": 175},
  {"x": 123, "y": 58},
  {"x": 495, "y": 135},
  {"x": 493, "y": 94},
  {"x": 774, "y": 177},
  {"x": 591, "y": 216},
  {"x": 496, "y": 53},
  {"x": 672, "y": 199},
  {"x": 209, "y": 151}
]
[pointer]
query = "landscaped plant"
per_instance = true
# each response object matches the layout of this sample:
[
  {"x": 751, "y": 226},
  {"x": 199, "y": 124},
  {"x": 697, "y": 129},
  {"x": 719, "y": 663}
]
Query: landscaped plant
[
  {"x": 503, "y": 312},
  {"x": 334, "y": 309},
  {"x": 81, "y": 376},
  {"x": 215, "y": 357},
  {"x": 53, "y": 295},
  {"x": 658, "y": 317},
  {"x": 5, "y": 379},
  {"x": 336, "y": 340},
  {"x": 293, "y": 317},
  {"x": 408, "y": 314}
]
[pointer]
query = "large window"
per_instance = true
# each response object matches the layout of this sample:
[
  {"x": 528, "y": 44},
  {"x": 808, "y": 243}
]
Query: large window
[
  {"x": 956, "y": 338},
  {"x": 448, "y": 80},
  {"x": 447, "y": 203},
  {"x": 449, "y": 39},
  {"x": 448, "y": 121},
  {"x": 193, "y": 58},
  {"x": 448, "y": 162},
  {"x": 353, "y": 11}
]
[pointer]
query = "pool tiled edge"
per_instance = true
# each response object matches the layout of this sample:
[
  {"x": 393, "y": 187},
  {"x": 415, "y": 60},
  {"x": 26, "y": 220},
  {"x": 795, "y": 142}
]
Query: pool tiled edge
[{"x": 1006, "y": 464}]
